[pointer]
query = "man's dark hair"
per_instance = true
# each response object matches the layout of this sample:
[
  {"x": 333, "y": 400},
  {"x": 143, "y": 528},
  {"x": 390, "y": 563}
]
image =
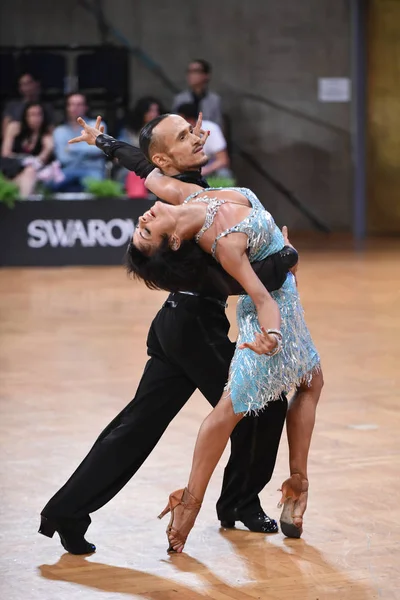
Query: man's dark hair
[
  {"x": 207, "y": 68},
  {"x": 30, "y": 74},
  {"x": 68, "y": 96},
  {"x": 146, "y": 134},
  {"x": 188, "y": 110},
  {"x": 167, "y": 269}
]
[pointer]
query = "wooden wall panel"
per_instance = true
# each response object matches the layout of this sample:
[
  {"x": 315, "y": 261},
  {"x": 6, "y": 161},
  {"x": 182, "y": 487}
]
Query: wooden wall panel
[{"x": 384, "y": 117}]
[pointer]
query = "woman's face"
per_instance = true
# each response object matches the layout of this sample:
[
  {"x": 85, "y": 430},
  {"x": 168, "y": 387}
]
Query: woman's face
[
  {"x": 34, "y": 117},
  {"x": 152, "y": 113},
  {"x": 153, "y": 226}
]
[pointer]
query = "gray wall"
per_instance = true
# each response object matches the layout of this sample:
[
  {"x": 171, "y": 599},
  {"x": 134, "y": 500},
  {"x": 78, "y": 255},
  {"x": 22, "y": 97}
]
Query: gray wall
[{"x": 274, "y": 49}]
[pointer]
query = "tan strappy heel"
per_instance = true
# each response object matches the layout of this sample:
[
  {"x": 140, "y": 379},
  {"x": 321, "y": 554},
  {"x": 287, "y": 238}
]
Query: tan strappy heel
[
  {"x": 189, "y": 503},
  {"x": 294, "y": 496}
]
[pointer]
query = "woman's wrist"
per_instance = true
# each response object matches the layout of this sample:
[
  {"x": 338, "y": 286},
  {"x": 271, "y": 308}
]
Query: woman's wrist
[
  {"x": 276, "y": 332},
  {"x": 277, "y": 336}
]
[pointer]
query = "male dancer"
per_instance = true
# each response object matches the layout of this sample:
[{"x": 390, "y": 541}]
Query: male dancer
[{"x": 177, "y": 366}]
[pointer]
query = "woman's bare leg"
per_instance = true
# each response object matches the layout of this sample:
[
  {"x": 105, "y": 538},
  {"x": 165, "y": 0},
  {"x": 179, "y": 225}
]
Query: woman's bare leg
[
  {"x": 211, "y": 442},
  {"x": 300, "y": 422},
  {"x": 26, "y": 181}
]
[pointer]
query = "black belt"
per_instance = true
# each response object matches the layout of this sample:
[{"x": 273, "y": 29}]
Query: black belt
[{"x": 174, "y": 304}]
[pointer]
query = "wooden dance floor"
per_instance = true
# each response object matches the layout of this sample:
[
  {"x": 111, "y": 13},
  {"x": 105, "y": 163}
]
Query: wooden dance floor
[{"x": 72, "y": 350}]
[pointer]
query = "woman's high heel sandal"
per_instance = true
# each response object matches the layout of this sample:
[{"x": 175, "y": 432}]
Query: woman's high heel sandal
[
  {"x": 294, "y": 501},
  {"x": 190, "y": 509}
]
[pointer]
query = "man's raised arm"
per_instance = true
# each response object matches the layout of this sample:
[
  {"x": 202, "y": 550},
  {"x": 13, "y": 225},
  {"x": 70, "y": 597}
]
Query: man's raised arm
[{"x": 128, "y": 156}]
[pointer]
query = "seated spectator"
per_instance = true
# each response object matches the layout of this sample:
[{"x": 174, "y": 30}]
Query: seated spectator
[
  {"x": 28, "y": 146},
  {"x": 78, "y": 161},
  {"x": 145, "y": 109},
  {"x": 29, "y": 89},
  {"x": 215, "y": 146},
  {"x": 198, "y": 78}
]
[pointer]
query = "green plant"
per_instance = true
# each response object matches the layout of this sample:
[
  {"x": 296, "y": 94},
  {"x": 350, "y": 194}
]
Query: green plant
[
  {"x": 103, "y": 188},
  {"x": 42, "y": 190},
  {"x": 9, "y": 192},
  {"x": 220, "y": 182}
]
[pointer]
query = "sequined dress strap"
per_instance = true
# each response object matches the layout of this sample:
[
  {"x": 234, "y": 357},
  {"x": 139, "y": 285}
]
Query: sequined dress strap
[
  {"x": 213, "y": 205},
  {"x": 244, "y": 226}
]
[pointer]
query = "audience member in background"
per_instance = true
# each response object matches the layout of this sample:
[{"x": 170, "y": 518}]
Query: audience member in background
[
  {"x": 198, "y": 77},
  {"x": 27, "y": 147},
  {"x": 145, "y": 109},
  {"x": 77, "y": 163},
  {"x": 29, "y": 89},
  {"x": 215, "y": 146}
]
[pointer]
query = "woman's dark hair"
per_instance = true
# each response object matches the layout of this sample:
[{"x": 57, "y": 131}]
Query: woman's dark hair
[
  {"x": 167, "y": 269},
  {"x": 25, "y": 129},
  {"x": 135, "y": 117}
]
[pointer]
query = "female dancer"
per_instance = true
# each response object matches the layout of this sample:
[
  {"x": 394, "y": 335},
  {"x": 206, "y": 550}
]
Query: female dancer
[{"x": 274, "y": 349}]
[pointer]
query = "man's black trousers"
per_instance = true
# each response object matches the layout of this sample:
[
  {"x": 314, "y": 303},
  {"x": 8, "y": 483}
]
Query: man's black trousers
[{"x": 189, "y": 348}]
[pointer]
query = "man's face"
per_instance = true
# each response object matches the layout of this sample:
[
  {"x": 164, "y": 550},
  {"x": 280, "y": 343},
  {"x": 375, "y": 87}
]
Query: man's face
[
  {"x": 28, "y": 87},
  {"x": 177, "y": 148},
  {"x": 76, "y": 107},
  {"x": 195, "y": 75}
]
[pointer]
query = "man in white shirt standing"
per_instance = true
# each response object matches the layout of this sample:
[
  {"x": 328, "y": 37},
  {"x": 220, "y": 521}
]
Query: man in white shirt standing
[{"x": 215, "y": 146}]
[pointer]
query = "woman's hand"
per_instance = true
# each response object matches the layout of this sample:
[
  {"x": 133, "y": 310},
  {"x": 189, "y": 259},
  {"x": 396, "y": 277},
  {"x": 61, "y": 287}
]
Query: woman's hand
[
  {"x": 88, "y": 133},
  {"x": 263, "y": 343}
]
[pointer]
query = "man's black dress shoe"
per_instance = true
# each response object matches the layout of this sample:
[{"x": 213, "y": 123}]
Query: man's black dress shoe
[
  {"x": 258, "y": 522},
  {"x": 72, "y": 541}
]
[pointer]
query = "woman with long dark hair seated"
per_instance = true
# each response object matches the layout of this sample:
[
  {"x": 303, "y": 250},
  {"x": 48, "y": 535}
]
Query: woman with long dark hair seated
[
  {"x": 145, "y": 110},
  {"x": 274, "y": 350},
  {"x": 30, "y": 144}
]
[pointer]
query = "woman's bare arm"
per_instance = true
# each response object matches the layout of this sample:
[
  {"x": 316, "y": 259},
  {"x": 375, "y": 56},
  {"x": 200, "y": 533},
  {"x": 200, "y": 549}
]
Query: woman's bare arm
[
  {"x": 47, "y": 148},
  {"x": 234, "y": 260},
  {"x": 12, "y": 130},
  {"x": 169, "y": 189}
]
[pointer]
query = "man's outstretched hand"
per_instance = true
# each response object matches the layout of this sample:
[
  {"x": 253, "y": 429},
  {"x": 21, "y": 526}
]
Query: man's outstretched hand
[
  {"x": 199, "y": 131},
  {"x": 88, "y": 133}
]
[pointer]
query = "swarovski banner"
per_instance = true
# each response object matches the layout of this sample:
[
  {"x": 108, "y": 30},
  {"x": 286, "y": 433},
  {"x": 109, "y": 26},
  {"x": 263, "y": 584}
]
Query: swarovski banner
[{"x": 68, "y": 232}]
